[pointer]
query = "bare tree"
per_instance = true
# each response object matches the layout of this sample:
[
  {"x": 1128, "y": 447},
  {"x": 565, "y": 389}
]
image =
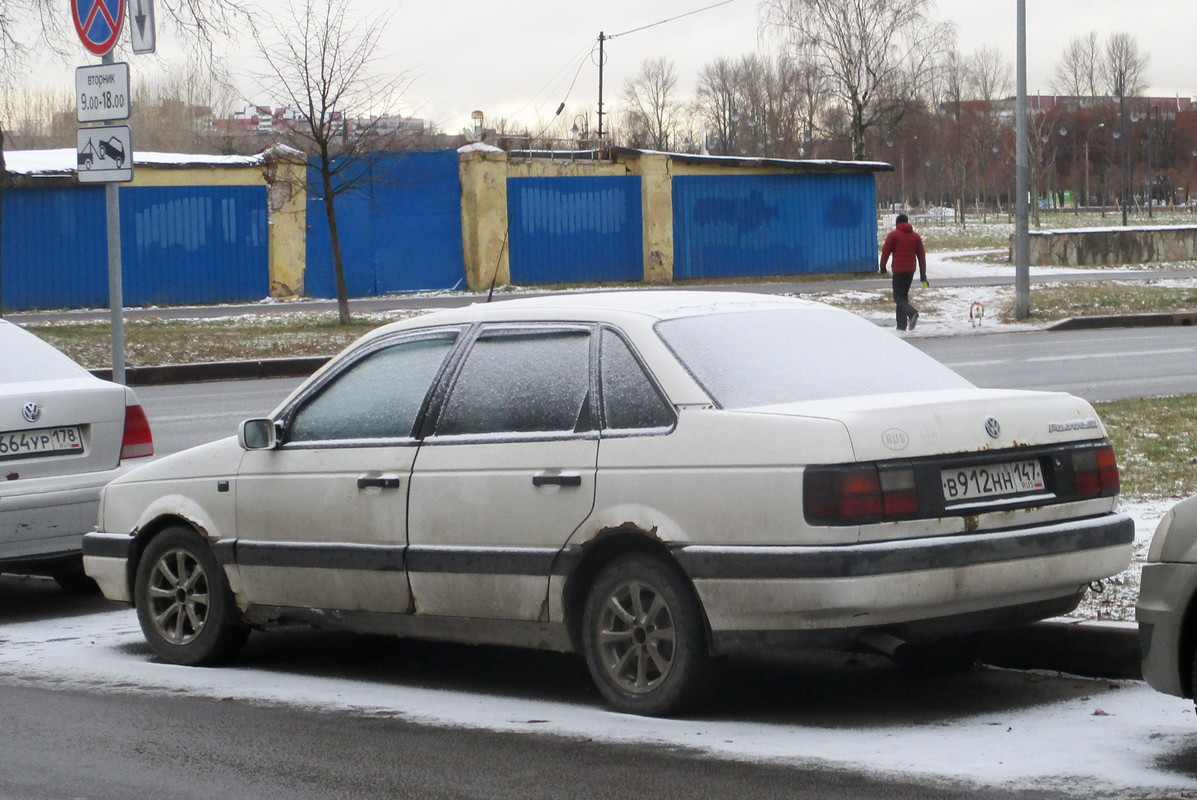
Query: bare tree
[
  {"x": 988, "y": 75},
  {"x": 323, "y": 63},
  {"x": 174, "y": 111},
  {"x": 652, "y": 106},
  {"x": 875, "y": 54},
  {"x": 989, "y": 80},
  {"x": 718, "y": 95},
  {"x": 1078, "y": 72},
  {"x": 39, "y": 27},
  {"x": 1124, "y": 67}
]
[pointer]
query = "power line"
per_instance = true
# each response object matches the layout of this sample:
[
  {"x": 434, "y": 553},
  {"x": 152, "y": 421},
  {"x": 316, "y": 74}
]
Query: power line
[{"x": 671, "y": 19}]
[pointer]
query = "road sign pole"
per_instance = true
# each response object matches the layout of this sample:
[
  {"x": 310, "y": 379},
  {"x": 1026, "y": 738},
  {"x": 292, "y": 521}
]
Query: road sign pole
[{"x": 116, "y": 298}]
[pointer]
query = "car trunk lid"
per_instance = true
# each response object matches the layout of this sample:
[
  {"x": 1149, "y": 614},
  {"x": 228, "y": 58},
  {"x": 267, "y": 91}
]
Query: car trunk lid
[{"x": 60, "y": 427}]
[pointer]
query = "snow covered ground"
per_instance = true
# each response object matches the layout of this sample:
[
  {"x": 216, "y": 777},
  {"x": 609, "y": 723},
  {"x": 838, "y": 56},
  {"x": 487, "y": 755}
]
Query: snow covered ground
[
  {"x": 1068, "y": 736},
  {"x": 954, "y": 317}
]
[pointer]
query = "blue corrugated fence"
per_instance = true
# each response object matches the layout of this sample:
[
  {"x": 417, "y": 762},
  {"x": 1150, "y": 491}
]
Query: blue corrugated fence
[{"x": 750, "y": 225}]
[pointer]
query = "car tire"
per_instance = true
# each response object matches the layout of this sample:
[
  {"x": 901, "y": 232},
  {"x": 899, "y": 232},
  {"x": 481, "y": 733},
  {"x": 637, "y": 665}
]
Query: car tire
[
  {"x": 184, "y": 603},
  {"x": 644, "y": 638}
]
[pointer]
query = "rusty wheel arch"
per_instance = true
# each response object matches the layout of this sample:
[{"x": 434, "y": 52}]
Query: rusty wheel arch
[
  {"x": 145, "y": 534},
  {"x": 597, "y": 553}
]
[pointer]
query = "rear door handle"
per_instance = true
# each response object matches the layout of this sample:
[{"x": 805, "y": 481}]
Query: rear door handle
[
  {"x": 381, "y": 482},
  {"x": 556, "y": 480}
]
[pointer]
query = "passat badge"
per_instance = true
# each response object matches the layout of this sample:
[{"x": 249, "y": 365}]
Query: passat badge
[
  {"x": 32, "y": 412},
  {"x": 993, "y": 428}
]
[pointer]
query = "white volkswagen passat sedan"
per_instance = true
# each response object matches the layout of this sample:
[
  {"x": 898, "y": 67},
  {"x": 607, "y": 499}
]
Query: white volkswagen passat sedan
[
  {"x": 652, "y": 479},
  {"x": 63, "y": 434}
]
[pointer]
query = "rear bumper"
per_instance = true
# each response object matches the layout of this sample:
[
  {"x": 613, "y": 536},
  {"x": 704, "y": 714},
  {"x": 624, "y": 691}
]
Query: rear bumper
[
  {"x": 47, "y": 517},
  {"x": 825, "y": 594},
  {"x": 1165, "y": 592}
]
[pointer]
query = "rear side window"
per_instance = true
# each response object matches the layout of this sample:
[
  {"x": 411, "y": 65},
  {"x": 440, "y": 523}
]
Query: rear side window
[
  {"x": 379, "y": 397},
  {"x": 630, "y": 400},
  {"x": 757, "y": 358},
  {"x": 516, "y": 382}
]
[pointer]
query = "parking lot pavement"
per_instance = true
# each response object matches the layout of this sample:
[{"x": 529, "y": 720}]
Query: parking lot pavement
[{"x": 1063, "y": 735}]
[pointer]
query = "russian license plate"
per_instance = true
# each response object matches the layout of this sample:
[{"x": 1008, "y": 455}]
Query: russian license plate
[
  {"x": 992, "y": 480},
  {"x": 40, "y": 442}
]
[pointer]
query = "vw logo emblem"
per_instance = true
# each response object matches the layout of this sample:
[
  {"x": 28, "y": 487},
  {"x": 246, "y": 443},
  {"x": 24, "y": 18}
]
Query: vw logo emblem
[
  {"x": 993, "y": 428},
  {"x": 32, "y": 412}
]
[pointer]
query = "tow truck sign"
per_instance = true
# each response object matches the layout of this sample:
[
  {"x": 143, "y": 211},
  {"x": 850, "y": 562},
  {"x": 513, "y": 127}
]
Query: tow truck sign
[
  {"x": 98, "y": 23},
  {"x": 105, "y": 154}
]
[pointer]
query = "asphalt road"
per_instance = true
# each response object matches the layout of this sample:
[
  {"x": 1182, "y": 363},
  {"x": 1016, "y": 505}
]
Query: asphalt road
[
  {"x": 1103, "y": 364},
  {"x": 110, "y": 740},
  {"x": 120, "y": 746}
]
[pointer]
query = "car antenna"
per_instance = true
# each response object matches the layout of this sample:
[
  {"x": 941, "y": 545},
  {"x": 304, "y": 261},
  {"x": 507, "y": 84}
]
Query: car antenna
[{"x": 495, "y": 276}]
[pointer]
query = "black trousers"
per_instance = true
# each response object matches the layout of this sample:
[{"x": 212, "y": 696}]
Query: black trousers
[{"x": 902, "y": 298}]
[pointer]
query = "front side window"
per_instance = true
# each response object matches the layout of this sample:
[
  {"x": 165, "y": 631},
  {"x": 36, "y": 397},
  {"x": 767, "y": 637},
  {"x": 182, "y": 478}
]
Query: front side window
[
  {"x": 630, "y": 401},
  {"x": 521, "y": 382},
  {"x": 379, "y": 397}
]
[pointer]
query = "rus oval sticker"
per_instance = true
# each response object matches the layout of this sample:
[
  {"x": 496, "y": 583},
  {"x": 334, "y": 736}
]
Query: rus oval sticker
[{"x": 895, "y": 439}]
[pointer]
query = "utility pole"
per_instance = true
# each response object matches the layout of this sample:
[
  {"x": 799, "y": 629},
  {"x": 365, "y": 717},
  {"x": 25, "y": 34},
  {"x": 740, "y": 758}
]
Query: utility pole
[
  {"x": 1022, "y": 241},
  {"x": 602, "y": 59}
]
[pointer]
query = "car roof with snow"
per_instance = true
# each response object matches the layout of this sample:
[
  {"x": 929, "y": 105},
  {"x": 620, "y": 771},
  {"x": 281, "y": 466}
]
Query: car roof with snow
[{"x": 651, "y": 305}]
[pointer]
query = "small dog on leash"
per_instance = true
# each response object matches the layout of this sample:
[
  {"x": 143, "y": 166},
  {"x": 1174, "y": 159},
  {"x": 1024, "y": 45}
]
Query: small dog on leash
[{"x": 975, "y": 312}]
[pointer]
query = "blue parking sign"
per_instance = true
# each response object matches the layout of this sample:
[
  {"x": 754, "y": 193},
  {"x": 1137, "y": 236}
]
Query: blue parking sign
[{"x": 98, "y": 23}]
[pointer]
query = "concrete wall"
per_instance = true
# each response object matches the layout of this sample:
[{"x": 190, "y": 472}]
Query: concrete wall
[{"x": 1099, "y": 247}]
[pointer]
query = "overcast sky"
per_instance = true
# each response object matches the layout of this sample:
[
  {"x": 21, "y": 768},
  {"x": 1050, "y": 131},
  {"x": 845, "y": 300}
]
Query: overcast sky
[{"x": 517, "y": 58}]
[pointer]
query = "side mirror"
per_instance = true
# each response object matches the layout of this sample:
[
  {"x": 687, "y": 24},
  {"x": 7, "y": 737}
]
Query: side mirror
[{"x": 257, "y": 434}]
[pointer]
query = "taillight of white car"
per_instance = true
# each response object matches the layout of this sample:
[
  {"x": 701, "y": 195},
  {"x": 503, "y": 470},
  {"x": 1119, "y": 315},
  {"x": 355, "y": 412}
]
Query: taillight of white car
[{"x": 138, "y": 442}]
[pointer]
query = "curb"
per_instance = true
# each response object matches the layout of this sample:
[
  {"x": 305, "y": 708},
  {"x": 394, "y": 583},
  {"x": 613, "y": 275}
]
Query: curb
[
  {"x": 219, "y": 371},
  {"x": 1125, "y": 321},
  {"x": 1094, "y": 649}
]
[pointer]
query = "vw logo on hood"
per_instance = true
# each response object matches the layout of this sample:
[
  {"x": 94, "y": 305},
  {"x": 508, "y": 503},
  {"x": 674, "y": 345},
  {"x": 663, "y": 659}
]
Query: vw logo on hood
[
  {"x": 993, "y": 428},
  {"x": 32, "y": 412}
]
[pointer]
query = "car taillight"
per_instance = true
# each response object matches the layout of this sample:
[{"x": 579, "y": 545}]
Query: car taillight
[
  {"x": 1095, "y": 472},
  {"x": 138, "y": 442},
  {"x": 858, "y": 494}
]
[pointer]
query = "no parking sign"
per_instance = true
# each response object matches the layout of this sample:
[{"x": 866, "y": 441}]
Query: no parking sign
[{"x": 98, "y": 23}]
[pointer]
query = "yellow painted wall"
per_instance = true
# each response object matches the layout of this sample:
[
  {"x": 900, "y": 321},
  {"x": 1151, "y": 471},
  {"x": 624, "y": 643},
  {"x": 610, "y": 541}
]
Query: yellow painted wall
[
  {"x": 656, "y": 202},
  {"x": 484, "y": 219}
]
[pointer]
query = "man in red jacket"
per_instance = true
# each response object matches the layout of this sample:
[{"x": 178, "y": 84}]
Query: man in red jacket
[{"x": 906, "y": 247}]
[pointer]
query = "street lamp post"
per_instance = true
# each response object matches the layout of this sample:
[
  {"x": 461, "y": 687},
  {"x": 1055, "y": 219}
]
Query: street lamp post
[
  {"x": 1152, "y": 116},
  {"x": 581, "y": 132},
  {"x": 1125, "y": 156},
  {"x": 1087, "y": 135},
  {"x": 901, "y": 172},
  {"x": 1076, "y": 201}
]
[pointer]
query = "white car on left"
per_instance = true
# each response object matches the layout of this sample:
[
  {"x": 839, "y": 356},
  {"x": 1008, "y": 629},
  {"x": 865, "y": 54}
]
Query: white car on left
[{"x": 64, "y": 434}]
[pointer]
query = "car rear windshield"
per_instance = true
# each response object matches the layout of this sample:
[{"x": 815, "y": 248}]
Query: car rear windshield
[
  {"x": 24, "y": 357},
  {"x": 757, "y": 358}
]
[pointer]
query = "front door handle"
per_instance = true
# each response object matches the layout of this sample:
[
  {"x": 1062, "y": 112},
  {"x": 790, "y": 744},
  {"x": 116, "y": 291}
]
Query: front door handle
[
  {"x": 381, "y": 482},
  {"x": 556, "y": 480}
]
